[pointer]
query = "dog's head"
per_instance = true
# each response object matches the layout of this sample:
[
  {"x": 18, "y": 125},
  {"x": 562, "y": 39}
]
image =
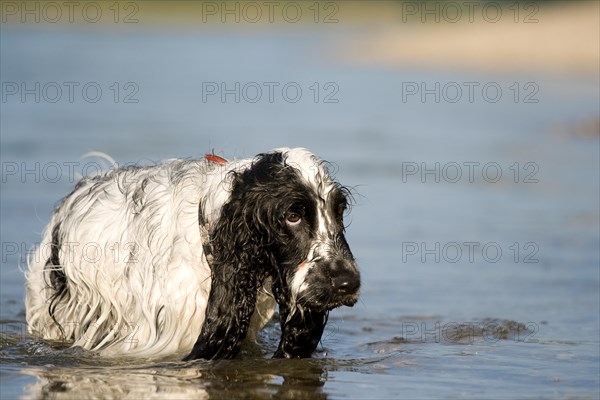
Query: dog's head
[
  {"x": 289, "y": 214},
  {"x": 285, "y": 220}
]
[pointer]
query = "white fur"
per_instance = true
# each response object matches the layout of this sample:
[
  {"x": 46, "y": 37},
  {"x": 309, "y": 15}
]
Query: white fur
[
  {"x": 132, "y": 253},
  {"x": 313, "y": 172}
]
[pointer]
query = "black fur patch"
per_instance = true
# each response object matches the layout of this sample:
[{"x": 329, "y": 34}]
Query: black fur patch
[
  {"x": 250, "y": 242},
  {"x": 58, "y": 279}
]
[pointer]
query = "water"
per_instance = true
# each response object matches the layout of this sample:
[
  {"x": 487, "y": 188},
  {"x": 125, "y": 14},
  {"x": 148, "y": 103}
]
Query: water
[{"x": 442, "y": 312}]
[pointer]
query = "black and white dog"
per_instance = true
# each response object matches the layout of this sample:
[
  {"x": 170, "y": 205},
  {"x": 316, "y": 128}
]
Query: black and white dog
[{"x": 189, "y": 257}]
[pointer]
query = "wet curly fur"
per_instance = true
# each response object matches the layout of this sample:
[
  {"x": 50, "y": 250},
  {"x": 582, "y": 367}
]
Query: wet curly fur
[{"x": 210, "y": 246}]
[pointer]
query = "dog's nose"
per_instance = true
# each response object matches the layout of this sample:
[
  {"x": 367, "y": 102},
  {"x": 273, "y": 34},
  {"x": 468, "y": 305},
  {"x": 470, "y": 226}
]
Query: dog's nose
[{"x": 346, "y": 282}]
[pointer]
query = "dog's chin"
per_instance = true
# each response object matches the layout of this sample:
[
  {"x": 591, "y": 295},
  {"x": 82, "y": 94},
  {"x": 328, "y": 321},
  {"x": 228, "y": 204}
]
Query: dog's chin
[{"x": 331, "y": 304}]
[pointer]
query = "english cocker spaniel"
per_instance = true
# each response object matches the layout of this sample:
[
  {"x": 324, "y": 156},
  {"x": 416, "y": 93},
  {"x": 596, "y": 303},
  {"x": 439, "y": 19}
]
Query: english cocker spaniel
[{"x": 189, "y": 257}]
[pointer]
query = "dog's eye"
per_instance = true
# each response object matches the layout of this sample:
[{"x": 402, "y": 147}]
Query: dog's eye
[{"x": 293, "y": 218}]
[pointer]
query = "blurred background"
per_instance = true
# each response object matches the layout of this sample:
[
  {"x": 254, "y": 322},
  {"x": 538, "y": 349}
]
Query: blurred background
[{"x": 470, "y": 134}]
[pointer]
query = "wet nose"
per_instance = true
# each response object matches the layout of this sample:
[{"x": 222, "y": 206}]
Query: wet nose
[{"x": 345, "y": 282}]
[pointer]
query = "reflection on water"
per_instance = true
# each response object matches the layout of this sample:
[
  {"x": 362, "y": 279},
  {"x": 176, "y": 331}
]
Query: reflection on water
[
  {"x": 235, "y": 379},
  {"x": 75, "y": 373}
]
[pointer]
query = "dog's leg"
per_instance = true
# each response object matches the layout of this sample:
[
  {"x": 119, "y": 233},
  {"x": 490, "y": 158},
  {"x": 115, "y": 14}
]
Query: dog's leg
[{"x": 300, "y": 333}]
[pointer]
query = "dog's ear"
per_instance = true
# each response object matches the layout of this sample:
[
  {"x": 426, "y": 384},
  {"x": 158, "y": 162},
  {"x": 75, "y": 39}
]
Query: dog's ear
[
  {"x": 237, "y": 270},
  {"x": 230, "y": 306},
  {"x": 241, "y": 245}
]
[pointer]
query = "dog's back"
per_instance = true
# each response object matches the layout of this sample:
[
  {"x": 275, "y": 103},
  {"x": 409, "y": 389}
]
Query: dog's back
[{"x": 121, "y": 262}]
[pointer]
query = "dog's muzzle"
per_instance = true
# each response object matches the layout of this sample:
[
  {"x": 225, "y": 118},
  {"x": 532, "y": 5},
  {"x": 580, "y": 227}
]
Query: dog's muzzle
[{"x": 331, "y": 284}]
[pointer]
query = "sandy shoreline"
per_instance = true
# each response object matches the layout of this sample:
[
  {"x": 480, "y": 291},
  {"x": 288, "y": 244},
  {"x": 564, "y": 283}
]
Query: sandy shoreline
[{"x": 565, "y": 40}]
